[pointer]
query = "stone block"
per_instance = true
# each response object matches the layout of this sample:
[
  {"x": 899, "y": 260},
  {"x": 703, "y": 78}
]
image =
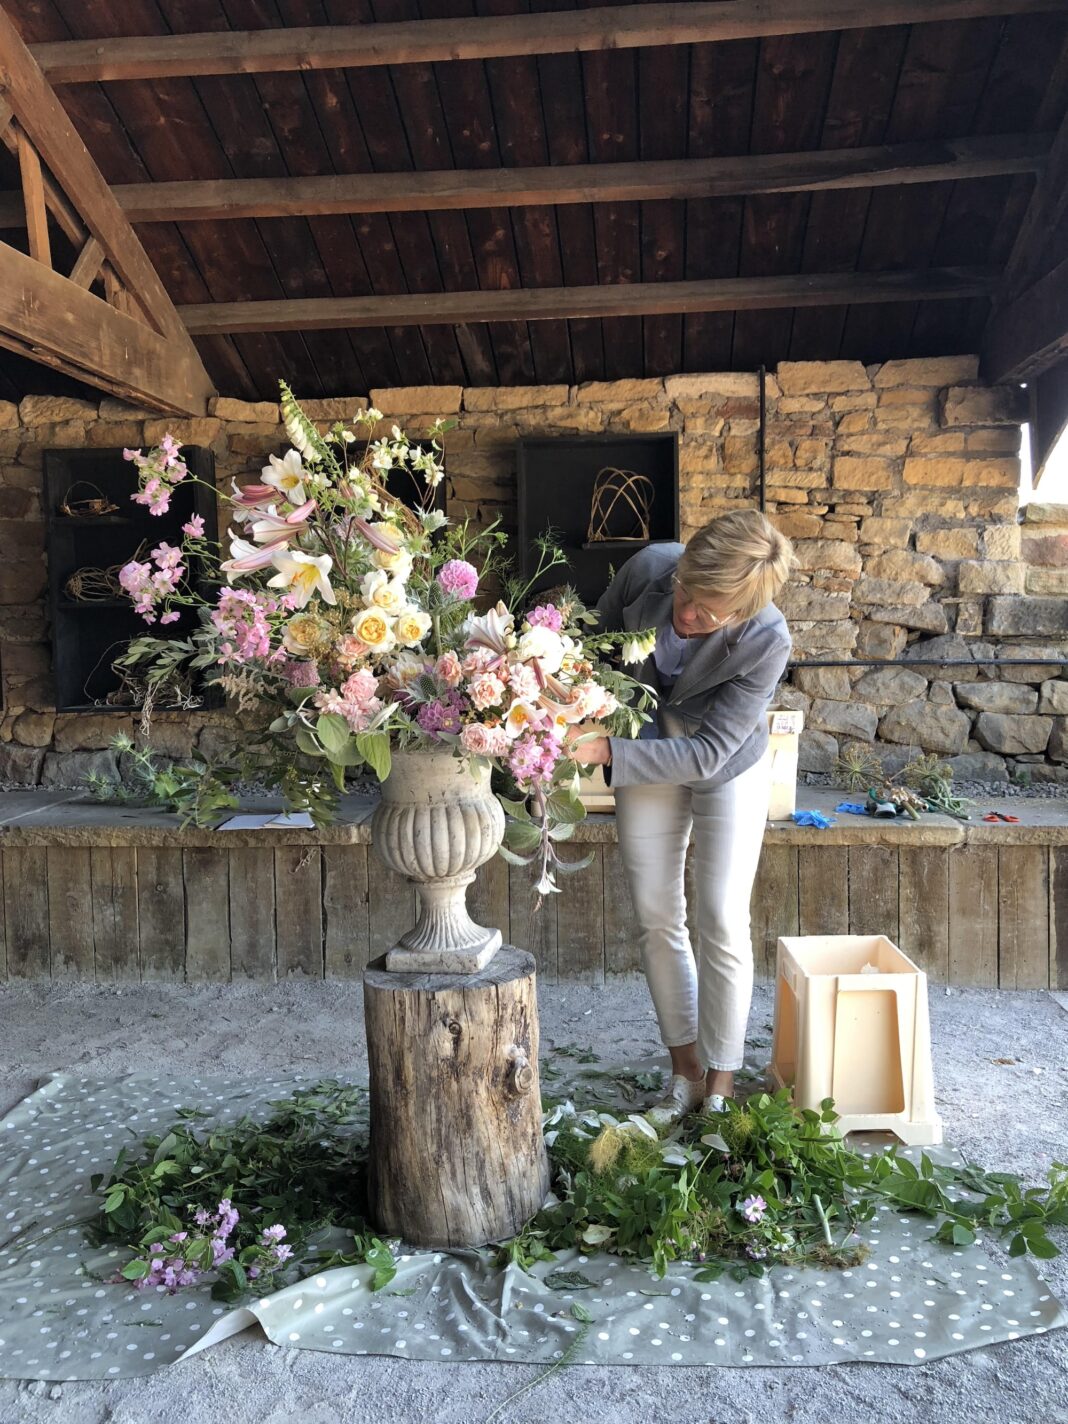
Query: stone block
[
  {"x": 839, "y": 529},
  {"x": 816, "y": 751},
  {"x": 949, "y": 543},
  {"x": 997, "y": 697},
  {"x": 890, "y": 686},
  {"x": 187, "y": 432},
  {"x": 1029, "y": 617},
  {"x": 333, "y": 408},
  {"x": 984, "y": 577},
  {"x": 22, "y": 582},
  {"x": 920, "y": 502},
  {"x": 644, "y": 418},
  {"x": 902, "y": 565},
  {"x": 889, "y": 443},
  {"x": 921, "y": 618},
  {"x": 822, "y": 378},
  {"x": 978, "y": 766},
  {"x": 850, "y": 719},
  {"x": 853, "y": 400},
  {"x": 827, "y": 554},
  {"x": 19, "y": 765},
  {"x": 513, "y": 397},
  {"x": 170, "y": 739},
  {"x": 87, "y": 733},
  {"x": 1046, "y": 581},
  {"x": 254, "y": 412},
  {"x": 44, "y": 410},
  {"x": 927, "y": 371},
  {"x": 797, "y": 525},
  {"x": 1053, "y": 697},
  {"x": 890, "y": 533},
  {"x": 854, "y": 422},
  {"x": 402, "y": 400},
  {"x": 880, "y": 640},
  {"x": 831, "y": 683},
  {"x": 790, "y": 699},
  {"x": 1057, "y": 747},
  {"x": 9, "y": 415},
  {"x": 619, "y": 392},
  {"x": 128, "y": 434},
  {"x": 952, "y": 442},
  {"x": 577, "y": 418},
  {"x": 783, "y": 494},
  {"x": 1037, "y": 672},
  {"x": 941, "y": 694},
  {"x": 800, "y": 405},
  {"x": 854, "y": 472},
  {"x": 804, "y": 604},
  {"x": 940, "y": 657},
  {"x": 1044, "y": 548},
  {"x": 893, "y": 593},
  {"x": 942, "y": 472},
  {"x": 33, "y": 729},
  {"x": 1012, "y": 735},
  {"x": 1002, "y": 541},
  {"x": 927, "y": 726},
  {"x": 713, "y": 385},
  {"x": 983, "y": 405},
  {"x": 69, "y": 769},
  {"x": 21, "y": 504},
  {"x": 1041, "y": 512},
  {"x": 969, "y": 620},
  {"x": 824, "y": 639}
]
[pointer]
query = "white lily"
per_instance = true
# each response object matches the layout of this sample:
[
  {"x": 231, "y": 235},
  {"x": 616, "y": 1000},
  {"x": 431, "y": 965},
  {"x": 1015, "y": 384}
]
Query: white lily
[
  {"x": 493, "y": 630},
  {"x": 303, "y": 574},
  {"x": 287, "y": 476},
  {"x": 639, "y": 646},
  {"x": 245, "y": 558}
]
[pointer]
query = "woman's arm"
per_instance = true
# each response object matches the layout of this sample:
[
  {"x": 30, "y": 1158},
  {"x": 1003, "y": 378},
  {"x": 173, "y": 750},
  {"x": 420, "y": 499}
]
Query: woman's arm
[{"x": 734, "y": 712}]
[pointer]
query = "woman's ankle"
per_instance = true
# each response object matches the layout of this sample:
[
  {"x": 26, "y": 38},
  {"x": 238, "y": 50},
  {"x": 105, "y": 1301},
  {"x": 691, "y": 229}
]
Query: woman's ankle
[
  {"x": 719, "y": 1081},
  {"x": 685, "y": 1062}
]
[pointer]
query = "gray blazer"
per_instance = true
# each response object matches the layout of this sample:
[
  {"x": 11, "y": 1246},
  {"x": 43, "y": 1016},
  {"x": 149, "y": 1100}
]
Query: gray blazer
[{"x": 712, "y": 724}]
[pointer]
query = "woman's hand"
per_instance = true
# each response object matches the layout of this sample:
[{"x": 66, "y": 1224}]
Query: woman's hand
[{"x": 587, "y": 750}]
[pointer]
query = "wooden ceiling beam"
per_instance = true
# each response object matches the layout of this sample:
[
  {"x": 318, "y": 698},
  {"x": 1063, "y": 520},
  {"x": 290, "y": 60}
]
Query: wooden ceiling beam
[
  {"x": 934, "y": 161},
  {"x": 58, "y": 172},
  {"x": 1047, "y": 207},
  {"x": 1030, "y": 334},
  {"x": 490, "y": 36},
  {"x": 561, "y": 303},
  {"x": 50, "y": 319}
]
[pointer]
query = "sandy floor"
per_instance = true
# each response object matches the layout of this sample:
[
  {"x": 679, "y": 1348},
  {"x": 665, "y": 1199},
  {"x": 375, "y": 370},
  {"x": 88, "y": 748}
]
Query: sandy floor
[{"x": 1012, "y": 1117}]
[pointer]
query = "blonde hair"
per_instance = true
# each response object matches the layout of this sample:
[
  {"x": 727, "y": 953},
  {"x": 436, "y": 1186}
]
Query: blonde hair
[{"x": 740, "y": 556}]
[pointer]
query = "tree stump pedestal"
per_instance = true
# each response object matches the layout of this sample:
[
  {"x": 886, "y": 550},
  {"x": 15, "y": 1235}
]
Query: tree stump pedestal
[{"x": 457, "y": 1156}]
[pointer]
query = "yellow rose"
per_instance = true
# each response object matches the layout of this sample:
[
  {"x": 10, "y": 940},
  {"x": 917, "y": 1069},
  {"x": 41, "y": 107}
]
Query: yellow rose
[
  {"x": 397, "y": 562},
  {"x": 389, "y": 596},
  {"x": 306, "y": 635},
  {"x": 373, "y": 627},
  {"x": 411, "y": 627}
]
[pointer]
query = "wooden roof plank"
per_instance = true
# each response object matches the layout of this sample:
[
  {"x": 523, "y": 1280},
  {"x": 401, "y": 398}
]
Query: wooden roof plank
[
  {"x": 601, "y": 28},
  {"x": 608, "y": 301},
  {"x": 1029, "y": 335},
  {"x": 663, "y": 122}
]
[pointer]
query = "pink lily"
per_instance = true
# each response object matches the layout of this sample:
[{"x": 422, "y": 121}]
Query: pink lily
[
  {"x": 253, "y": 499},
  {"x": 245, "y": 557},
  {"x": 377, "y": 537},
  {"x": 274, "y": 528}
]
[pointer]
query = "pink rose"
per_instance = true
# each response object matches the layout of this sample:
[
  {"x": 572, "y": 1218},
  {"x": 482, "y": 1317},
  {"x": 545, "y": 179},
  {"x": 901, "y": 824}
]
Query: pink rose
[
  {"x": 486, "y": 690},
  {"x": 447, "y": 669}
]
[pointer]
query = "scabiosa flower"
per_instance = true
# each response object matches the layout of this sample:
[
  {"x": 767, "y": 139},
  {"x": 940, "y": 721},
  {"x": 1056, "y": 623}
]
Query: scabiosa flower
[
  {"x": 546, "y": 615},
  {"x": 459, "y": 578},
  {"x": 441, "y": 715},
  {"x": 753, "y": 1208}
]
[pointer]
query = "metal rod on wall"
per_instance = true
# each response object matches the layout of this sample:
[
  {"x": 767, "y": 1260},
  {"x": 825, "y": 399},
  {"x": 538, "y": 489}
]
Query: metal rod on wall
[{"x": 760, "y": 451}]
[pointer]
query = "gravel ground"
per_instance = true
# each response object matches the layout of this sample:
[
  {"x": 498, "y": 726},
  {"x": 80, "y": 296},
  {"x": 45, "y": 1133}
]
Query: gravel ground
[
  {"x": 972, "y": 790},
  {"x": 1013, "y": 1117}
]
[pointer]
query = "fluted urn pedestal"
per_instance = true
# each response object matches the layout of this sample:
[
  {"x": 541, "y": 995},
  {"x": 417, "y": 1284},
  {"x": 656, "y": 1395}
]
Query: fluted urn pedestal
[{"x": 437, "y": 822}]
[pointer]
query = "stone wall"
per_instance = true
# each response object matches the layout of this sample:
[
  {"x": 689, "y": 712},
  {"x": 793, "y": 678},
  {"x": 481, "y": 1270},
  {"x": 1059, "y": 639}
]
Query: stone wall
[{"x": 898, "y": 484}]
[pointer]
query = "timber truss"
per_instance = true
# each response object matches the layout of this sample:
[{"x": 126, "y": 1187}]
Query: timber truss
[{"x": 107, "y": 320}]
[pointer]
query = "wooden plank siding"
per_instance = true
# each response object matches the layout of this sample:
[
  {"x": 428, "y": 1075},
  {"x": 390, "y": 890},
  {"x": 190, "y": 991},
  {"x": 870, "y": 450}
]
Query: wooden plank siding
[{"x": 971, "y": 915}]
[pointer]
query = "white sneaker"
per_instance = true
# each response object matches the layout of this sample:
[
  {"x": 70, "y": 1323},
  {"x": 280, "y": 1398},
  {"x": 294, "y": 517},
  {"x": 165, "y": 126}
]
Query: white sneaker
[
  {"x": 714, "y": 1103},
  {"x": 681, "y": 1098}
]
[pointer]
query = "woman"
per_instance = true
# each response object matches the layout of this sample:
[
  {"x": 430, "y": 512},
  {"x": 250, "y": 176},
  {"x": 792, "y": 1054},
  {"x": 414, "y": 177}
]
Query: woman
[{"x": 721, "y": 649}]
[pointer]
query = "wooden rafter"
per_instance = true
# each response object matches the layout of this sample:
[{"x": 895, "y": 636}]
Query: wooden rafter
[
  {"x": 490, "y": 36},
  {"x": 1045, "y": 211},
  {"x": 928, "y": 162},
  {"x": 54, "y": 319},
  {"x": 556, "y": 303},
  {"x": 1030, "y": 334}
]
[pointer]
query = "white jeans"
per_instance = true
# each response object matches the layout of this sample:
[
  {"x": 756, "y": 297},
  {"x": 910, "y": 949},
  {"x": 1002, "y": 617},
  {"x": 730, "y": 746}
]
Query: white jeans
[{"x": 703, "y": 998}]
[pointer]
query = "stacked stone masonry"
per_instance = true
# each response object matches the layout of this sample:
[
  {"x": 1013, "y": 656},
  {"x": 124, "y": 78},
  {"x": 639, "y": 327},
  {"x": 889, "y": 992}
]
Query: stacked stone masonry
[{"x": 897, "y": 483}]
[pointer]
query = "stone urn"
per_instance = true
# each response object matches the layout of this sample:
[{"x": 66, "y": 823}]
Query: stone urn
[{"x": 437, "y": 822}]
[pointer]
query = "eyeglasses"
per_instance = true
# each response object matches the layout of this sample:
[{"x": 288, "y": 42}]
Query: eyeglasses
[{"x": 704, "y": 614}]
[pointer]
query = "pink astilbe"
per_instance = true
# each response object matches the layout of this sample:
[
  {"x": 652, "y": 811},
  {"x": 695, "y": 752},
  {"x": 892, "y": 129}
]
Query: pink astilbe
[{"x": 533, "y": 758}]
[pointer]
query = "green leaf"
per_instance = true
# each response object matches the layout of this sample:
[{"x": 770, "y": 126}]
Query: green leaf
[
  {"x": 333, "y": 732},
  {"x": 374, "y": 748},
  {"x": 566, "y": 808},
  {"x": 522, "y": 837},
  {"x": 307, "y": 743},
  {"x": 571, "y": 867},
  {"x": 517, "y": 809},
  {"x": 512, "y": 858},
  {"x": 579, "y": 1312},
  {"x": 136, "y": 1270},
  {"x": 115, "y": 1199}
]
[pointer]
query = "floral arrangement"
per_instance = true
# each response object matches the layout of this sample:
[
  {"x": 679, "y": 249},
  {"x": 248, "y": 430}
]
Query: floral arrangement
[{"x": 345, "y": 623}]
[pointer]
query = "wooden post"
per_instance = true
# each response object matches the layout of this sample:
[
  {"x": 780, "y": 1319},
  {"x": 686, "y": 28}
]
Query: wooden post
[{"x": 456, "y": 1153}]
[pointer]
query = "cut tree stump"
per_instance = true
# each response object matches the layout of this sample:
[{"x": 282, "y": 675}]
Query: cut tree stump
[{"x": 456, "y": 1156}]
